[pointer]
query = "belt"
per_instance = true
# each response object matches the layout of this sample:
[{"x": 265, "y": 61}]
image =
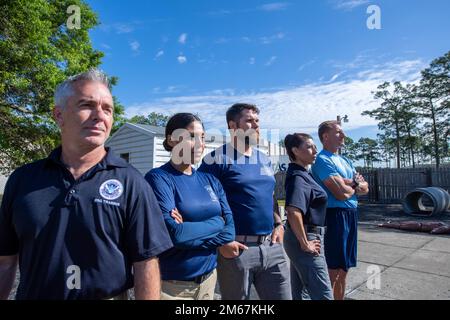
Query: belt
[
  {"x": 315, "y": 229},
  {"x": 253, "y": 239},
  {"x": 200, "y": 279}
]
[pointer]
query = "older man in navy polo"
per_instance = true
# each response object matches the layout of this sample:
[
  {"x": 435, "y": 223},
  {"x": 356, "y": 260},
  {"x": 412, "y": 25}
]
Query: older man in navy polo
[{"x": 82, "y": 218}]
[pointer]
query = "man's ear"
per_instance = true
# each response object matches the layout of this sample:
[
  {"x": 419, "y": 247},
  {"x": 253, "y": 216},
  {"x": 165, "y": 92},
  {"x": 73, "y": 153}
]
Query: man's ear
[
  {"x": 295, "y": 151},
  {"x": 57, "y": 116},
  {"x": 232, "y": 125}
]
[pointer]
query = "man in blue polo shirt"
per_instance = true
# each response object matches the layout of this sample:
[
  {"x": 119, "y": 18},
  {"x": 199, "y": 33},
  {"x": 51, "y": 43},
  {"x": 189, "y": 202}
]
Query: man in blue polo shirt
[
  {"x": 82, "y": 218},
  {"x": 342, "y": 183},
  {"x": 257, "y": 255}
]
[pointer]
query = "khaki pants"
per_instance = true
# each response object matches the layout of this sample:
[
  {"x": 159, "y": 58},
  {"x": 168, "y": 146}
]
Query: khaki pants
[
  {"x": 122, "y": 296},
  {"x": 189, "y": 290}
]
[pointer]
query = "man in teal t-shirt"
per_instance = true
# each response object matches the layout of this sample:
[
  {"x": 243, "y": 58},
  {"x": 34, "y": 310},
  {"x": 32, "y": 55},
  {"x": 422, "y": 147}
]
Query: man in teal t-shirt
[{"x": 342, "y": 183}]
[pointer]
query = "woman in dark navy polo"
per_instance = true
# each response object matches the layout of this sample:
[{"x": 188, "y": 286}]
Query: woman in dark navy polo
[
  {"x": 195, "y": 211},
  {"x": 306, "y": 204}
]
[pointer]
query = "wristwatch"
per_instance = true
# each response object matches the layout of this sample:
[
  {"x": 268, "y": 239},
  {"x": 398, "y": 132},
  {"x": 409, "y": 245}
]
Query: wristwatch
[
  {"x": 277, "y": 224},
  {"x": 355, "y": 184}
]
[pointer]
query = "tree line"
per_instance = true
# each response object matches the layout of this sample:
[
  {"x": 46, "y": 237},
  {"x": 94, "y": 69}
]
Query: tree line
[
  {"x": 413, "y": 119},
  {"x": 38, "y": 51}
]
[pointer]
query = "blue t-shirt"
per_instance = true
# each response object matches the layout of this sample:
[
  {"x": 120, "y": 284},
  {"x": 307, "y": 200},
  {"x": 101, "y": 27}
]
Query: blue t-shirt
[
  {"x": 249, "y": 184},
  {"x": 207, "y": 220},
  {"x": 78, "y": 239},
  {"x": 304, "y": 193},
  {"x": 329, "y": 164}
]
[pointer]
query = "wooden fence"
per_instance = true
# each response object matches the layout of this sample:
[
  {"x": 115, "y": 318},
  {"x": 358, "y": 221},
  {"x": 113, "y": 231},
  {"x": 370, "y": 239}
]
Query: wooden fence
[{"x": 390, "y": 185}]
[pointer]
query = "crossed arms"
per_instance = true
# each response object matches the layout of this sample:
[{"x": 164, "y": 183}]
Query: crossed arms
[{"x": 343, "y": 189}]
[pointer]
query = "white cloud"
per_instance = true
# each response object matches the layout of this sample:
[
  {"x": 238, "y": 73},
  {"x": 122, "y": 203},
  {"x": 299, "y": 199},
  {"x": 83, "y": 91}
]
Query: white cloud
[
  {"x": 159, "y": 54},
  {"x": 168, "y": 90},
  {"x": 270, "y": 61},
  {"x": 270, "y": 39},
  {"x": 219, "y": 12},
  {"x": 222, "y": 40},
  {"x": 275, "y": 6},
  {"x": 349, "y": 4},
  {"x": 134, "y": 45},
  {"x": 124, "y": 28},
  {"x": 334, "y": 77},
  {"x": 300, "y": 108},
  {"x": 303, "y": 66},
  {"x": 182, "y": 38},
  {"x": 252, "y": 60},
  {"x": 181, "y": 59}
]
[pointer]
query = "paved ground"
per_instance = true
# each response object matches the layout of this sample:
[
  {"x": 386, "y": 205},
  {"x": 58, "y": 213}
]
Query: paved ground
[{"x": 412, "y": 265}]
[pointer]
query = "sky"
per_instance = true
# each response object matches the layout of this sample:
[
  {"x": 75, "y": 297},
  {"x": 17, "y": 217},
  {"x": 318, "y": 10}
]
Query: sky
[{"x": 301, "y": 62}]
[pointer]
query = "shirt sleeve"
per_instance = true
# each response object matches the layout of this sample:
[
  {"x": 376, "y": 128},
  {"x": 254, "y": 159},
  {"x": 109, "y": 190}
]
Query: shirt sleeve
[
  {"x": 228, "y": 233},
  {"x": 298, "y": 194},
  {"x": 324, "y": 168},
  {"x": 350, "y": 164},
  {"x": 210, "y": 165},
  {"x": 146, "y": 234},
  {"x": 9, "y": 241},
  {"x": 186, "y": 235}
]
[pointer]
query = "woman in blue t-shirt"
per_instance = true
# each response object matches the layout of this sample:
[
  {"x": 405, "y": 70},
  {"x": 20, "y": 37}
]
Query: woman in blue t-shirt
[
  {"x": 306, "y": 204},
  {"x": 195, "y": 211}
]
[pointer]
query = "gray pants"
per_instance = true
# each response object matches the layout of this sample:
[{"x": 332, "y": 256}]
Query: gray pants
[
  {"x": 309, "y": 273},
  {"x": 263, "y": 265}
]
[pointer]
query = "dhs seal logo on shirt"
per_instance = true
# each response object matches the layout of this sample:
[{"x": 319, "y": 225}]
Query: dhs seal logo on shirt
[
  {"x": 111, "y": 189},
  {"x": 212, "y": 194}
]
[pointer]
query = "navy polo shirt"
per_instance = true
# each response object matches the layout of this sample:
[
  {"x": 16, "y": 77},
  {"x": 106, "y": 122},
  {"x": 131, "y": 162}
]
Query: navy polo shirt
[
  {"x": 304, "y": 193},
  {"x": 207, "y": 220},
  {"x": 249, "y": 184},
  {"x": 78, "y": 239}
]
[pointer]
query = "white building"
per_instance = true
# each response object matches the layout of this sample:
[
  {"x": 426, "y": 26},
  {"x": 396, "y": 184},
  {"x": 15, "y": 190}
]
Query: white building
[{"x": 142, "y": 146}]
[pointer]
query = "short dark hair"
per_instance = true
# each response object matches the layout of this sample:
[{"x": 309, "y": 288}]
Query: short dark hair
[
  {"x": 178, "y": 121},
  {"x": 295, "y": 140},
  {"x": 326, "y": 126},
  {"x": 234, "y": 112}
]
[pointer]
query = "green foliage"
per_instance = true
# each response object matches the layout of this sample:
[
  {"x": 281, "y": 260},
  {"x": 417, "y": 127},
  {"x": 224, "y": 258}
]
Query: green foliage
[
  {"x": 153, "y": 119},
  {"x": 368, "y": 151},
  {"x": 394, "y": 114},
  {"x": 350, "y": 149},
  {"x": 433, "y": 105},
  {"x": 415, "y": 119},
  {"x": 38, "y": 51}
]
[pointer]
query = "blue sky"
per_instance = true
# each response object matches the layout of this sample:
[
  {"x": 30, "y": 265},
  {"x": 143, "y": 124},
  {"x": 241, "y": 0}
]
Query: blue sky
[{"x": 301, "y": 62}]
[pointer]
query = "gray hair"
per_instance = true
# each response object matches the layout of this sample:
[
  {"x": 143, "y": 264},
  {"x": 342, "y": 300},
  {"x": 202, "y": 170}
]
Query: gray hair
[{"x": 65, "y": 89}]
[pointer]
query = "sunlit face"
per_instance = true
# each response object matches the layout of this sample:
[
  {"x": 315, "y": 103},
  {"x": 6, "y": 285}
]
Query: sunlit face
[
  {"x": 247, "y": 127},
  {"x": 192, "y": 140},
  {"x": 335, "y": 137},
  {"x": 306, "y": 153},
  {"x": 87, "y": 118}
]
